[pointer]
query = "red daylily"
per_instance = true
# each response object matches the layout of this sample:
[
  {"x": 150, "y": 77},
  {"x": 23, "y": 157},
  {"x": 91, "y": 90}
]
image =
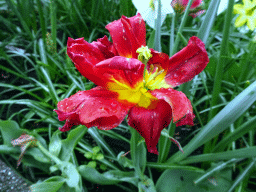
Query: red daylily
[
  {"x": 131, "y": 80},
  {"x": 180, "y": 6}
]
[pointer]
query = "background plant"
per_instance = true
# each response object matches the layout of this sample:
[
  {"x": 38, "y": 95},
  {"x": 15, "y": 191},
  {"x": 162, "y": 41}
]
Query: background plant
[{"x": 36, "y": 73}]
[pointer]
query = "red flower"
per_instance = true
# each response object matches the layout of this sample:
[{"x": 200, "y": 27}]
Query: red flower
[
  {"x": 125, "y": 86},
  {"x": 180, "y": 6}
]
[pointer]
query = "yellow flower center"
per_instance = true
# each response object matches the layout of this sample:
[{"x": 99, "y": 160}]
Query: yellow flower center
[
  {"x": 154, "y": 79},
  {"x": 139, "y": 93}
]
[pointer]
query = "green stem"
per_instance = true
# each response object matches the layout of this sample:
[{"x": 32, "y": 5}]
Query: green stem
[
  {"x": 164, "y": 144},
  {"x": 220, "y": 69},
  {"x": 157, "y": 44},
  {"x": 172, "y": 34},
  {"x": 222, "y": 60},
  {"x": 138, "y": 153},
  {"x": 48, "y": 154},
  {"x": 53, "y": 24},
  {"x": 182, "y": 25}
]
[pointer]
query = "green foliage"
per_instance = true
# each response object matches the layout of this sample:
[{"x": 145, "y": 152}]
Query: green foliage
[
  {"x": 36, "y": 73},
  {"x": 182, "y": 180}
]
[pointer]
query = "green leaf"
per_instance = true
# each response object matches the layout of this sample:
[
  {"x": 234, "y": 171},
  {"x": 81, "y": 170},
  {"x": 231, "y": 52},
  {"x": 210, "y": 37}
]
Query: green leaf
[
  {"x": 138, "y": 152},
  {"x": 96, "y": 149},
  {"x": 124, "y": 161},
  {"x": 92, "y": 164},
  {"x": 52, "y": 184},
  {"x": 103, "y": 167},
  {"x": 38, "y": 155},
  {"x": 8, "y": 150},
  {"x": 88, "y": 155},
  {"x": 239, "y": 132},
  {"x": 107, "y": 178},
  {"x": 208, "y": 21},
  {"x": 55, "y": 144},
  {"x": 125, "y": 7},
  {"x": 146, "y": 185},
  {"x": 100, "y": 156},
  {"x": 228, "y": 115},
  {"x": 248, "y": 152},
  {"x": 221, "y": 60},
  {"x": 71, "y": 141},
  {"x": 182, "y": 181},
  {"x": 161, "y": 166},
  {"x": 211, "y": 66},
  {"x": 72, "y": 177},
  {"x": 94, "y": 132},
  {"x": 10, "y": 130}
]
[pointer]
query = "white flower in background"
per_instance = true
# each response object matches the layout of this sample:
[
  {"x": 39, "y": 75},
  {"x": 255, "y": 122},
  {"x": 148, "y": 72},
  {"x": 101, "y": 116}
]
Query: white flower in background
[
  {"x": 223, "y": 6},
  {"x": 148, "y": 10}
]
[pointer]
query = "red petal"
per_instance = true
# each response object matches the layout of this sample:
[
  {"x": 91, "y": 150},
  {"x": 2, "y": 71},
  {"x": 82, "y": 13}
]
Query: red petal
[
  {"x": 128, "y": 34},
  {"x": 181, "y": 106},
  {"x": 198, "y": 13},
  {"x": 106, "y": 47},
  {"x": 85, "y": 55},
  {"x": 195, "y": 3},
  {"x": 139, "y": 28},
  {"x": 187, "y": 63},
  {"x": 150, "y": 122},
  {"x": 96, "y": 107},
  {"x": 128, "y": 71},
  {"x": 159, "y": 58}
]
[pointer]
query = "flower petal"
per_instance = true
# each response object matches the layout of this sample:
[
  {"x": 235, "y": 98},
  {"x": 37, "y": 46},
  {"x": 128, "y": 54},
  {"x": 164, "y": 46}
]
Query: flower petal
[
  {"x": 196, "y": 3},
  {"x": 240, "y": 20},
  {"x": 159, "y": 59},
  {"x": 198, "y": 13},
  {"x": 128, "y": 34},
  {"x": 187, "y": 63},
  {"x": 127, "y": 71},
  {"x": 150, "y": 122},
  {"x": 106, "y": 47},
  {"x": 96, "y": 107},
  {"x": 223, "y": 6},
  {"x": 85, "y": 55},
  {"x": 181, "y": 107},
  {"x": 148, "y": 10}
]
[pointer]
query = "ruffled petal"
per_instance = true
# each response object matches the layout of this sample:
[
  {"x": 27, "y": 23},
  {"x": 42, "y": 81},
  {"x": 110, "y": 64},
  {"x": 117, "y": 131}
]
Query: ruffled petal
[
  {"x": 85, "y": 55},
  {"x": 187, "y": 63},
  {"x": 120, "y": 70},
  {"x": 181, "y": 107},
  {"x": 106, "y": 47},
  {"x": 158, "y": 59},
  {"x": 150, "y": 122},
  {"x": 128, "y": 34},
  {"x": 138, "y": 28},
  {"x": 96, "y": 107}
]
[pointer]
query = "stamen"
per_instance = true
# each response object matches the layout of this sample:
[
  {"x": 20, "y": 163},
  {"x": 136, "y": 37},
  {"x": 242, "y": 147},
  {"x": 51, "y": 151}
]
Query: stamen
[
  {"x": 160, "y": 72},
  {"x": 144, "y": 54}
]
